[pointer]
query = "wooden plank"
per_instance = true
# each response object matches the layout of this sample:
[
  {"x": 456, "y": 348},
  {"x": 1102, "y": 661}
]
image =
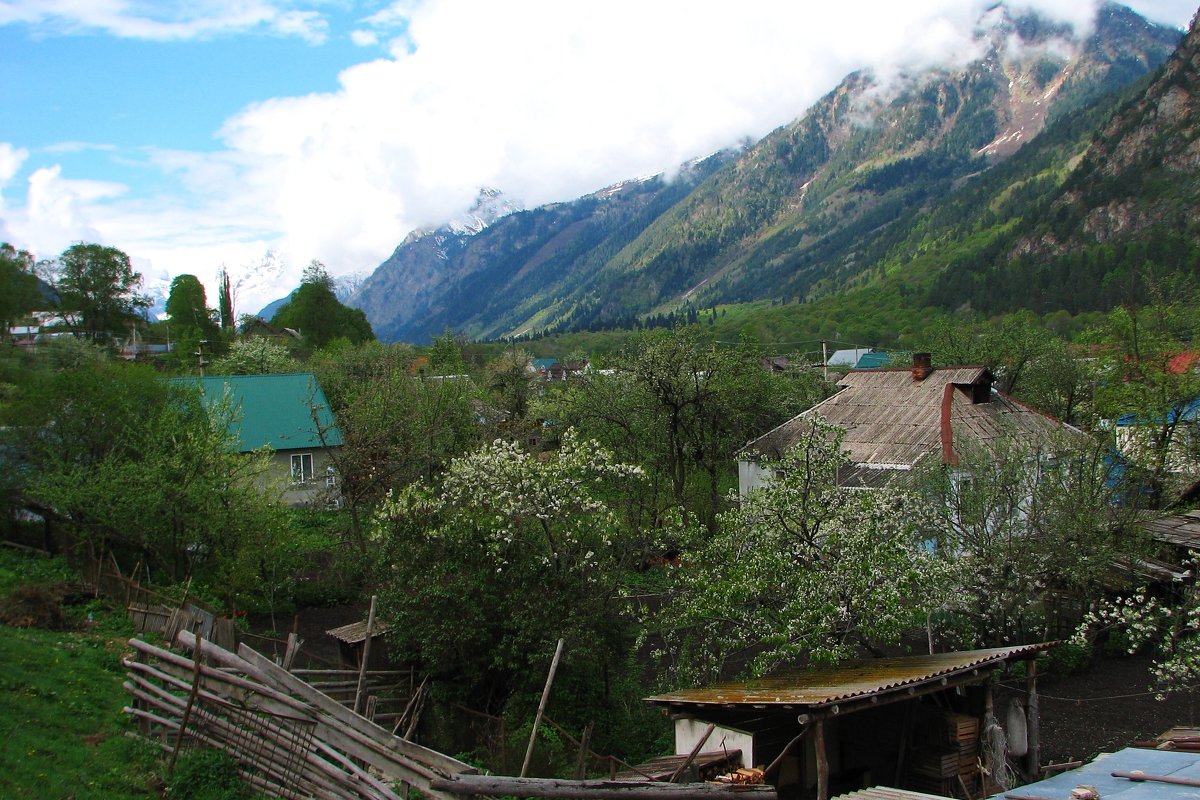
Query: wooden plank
[{"x": 423, "y": 763}]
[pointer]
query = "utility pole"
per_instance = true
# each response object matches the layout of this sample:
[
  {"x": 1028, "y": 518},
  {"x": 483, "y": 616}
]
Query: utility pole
[
  {"x": 199, "y": 354},
  {"x": 825, "y": 359}
]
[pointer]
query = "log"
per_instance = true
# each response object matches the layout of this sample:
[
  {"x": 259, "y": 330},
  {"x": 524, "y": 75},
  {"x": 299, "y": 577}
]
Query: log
[
  {"x": 501, "y": 785},
  {"x": 1141, "y": 776}
]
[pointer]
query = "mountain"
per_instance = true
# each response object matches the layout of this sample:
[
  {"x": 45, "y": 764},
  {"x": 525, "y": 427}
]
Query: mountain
[
  {"x": 509, "y": 275},
  {"x": 819, "y": 206},
  {"x": 1122, "y": 223}
]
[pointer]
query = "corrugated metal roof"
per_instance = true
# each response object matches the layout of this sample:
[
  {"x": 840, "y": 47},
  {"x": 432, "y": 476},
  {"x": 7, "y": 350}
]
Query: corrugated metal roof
[
  {"x": 1098, "y": 774},
  {"x": 887, "y": 793},
  {"x": 862, "y": 678},
  {"x": 274, "y": 411},
  {"x": 356, "y": 632}
]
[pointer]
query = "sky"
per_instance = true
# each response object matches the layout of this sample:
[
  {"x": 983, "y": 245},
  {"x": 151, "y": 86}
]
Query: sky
[{"x": 208, "y": 133}]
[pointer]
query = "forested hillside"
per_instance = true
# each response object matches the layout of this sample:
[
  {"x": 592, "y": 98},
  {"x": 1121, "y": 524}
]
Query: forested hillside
[{"x": 849, "y": 193}]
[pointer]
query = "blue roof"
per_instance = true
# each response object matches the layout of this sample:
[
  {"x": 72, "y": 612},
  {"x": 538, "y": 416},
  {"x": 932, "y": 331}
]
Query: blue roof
[
  {"x": 1175, "y": 763},
  {"x": 1189, "y": 413},
  {"x": 544, "y": 363},
  {"x": 274, "y": 411}
]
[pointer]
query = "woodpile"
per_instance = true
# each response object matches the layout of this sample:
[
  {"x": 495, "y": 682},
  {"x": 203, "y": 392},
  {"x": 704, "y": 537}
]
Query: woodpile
[{"x": 289, "y": 738}]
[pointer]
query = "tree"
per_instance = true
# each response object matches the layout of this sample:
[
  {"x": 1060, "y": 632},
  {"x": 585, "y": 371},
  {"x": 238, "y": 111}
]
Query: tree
[
  {"x": 318, "y": 315},
  {"x": 396, "y": 427},
  {"x": 681, "y": 406},
  {"x": 1151, "y": 381},
  {"x": 18, "y": 285},
  {"x": 225, "y": 301},
  {"x": 511, "y": 383},
  {"x": 192, "y": 322},
  {"x": 187, "y": 305},
  {"x": 136, "y": 463},
  {"x": 1035, "y": 528},
  {"x": 100, "y": 286},
  {"x": 803, "y": 568},
  {"x": 256, "y": 355},
  {"x": 518, "y": 552},
  {"x": 1170, "y": 629}
]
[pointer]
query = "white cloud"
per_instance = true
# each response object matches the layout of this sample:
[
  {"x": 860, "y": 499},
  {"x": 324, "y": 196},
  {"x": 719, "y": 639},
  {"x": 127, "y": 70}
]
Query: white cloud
[
  {"x": 11, "y": 159},
  {"x": 543, "y": 99},
  {"x": 164, "y": 20}
]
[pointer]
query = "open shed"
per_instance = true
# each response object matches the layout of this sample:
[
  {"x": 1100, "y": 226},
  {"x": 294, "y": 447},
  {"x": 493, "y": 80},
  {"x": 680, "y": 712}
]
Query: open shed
[{"x": 912, "y": 722}]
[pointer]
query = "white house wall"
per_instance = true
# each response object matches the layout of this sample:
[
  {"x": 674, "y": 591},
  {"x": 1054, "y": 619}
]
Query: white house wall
[
  {"x": 751, "y": 475},
  {"x": 689, "y": 730}
]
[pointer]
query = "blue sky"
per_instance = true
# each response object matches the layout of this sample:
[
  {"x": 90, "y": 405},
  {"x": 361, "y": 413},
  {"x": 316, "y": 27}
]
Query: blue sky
[{"x": 196, "y": 135}]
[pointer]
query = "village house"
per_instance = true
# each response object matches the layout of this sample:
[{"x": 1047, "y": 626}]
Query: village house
[
  {"x": 896, "y": 418},
  {"x": 288, "y": 415}
]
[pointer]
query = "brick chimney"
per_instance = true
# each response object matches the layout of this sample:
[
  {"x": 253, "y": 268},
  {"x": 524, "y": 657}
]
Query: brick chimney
[{"x": 921, "y": 367}]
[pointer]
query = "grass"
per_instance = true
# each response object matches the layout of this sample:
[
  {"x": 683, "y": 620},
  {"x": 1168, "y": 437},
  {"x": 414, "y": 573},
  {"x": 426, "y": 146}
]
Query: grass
[{"x": 62, "y": 733}]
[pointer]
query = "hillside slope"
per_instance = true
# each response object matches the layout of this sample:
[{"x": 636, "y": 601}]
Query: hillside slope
[{"x": 839, "y": 198}]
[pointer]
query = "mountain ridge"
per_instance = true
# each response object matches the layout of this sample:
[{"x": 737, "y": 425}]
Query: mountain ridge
[{"x": 808, "y": 210}]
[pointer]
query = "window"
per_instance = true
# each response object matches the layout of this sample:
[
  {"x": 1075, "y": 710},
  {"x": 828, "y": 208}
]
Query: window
[{"x": 302, "y": 467}]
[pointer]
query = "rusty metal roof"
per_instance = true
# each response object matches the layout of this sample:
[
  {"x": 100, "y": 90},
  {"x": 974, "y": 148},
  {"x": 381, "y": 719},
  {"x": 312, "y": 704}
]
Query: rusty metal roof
[
  {"x": 854, "y": 679},
  {"x": 356, "y": 632}
]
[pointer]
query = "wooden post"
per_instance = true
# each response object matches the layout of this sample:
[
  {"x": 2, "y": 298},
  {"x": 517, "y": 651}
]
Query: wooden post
[
  {"x": 187, "y": 711},
  {"x": 1033, "y": 756},
  {"x": 581, "y": 764},
  {"x": 537, "y": 720},
  {"x": 289, "y": 653},
  {"x": 362, "y": 668},
  {"x": 822, "y": 760}
]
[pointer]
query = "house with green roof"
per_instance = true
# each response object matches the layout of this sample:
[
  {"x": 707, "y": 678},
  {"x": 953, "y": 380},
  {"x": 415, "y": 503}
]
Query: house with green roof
[{"x": 288, "y": 415}]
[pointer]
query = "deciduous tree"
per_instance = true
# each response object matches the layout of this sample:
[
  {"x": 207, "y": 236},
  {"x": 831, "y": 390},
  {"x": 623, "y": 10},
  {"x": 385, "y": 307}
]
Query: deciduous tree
[
  {"x": 18, "y": 285},
  {"x": 98, "y": 285},
  {"x": 315, "y": 311},
  {"x": 512, "y": 552},
  {"x": 803, "y": 568}
]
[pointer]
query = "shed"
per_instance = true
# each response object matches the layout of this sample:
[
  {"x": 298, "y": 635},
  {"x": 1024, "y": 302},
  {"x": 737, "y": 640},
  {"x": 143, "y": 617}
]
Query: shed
[
  {"x": 909, "y": 721},
  {"x": 350, "y": 640}
]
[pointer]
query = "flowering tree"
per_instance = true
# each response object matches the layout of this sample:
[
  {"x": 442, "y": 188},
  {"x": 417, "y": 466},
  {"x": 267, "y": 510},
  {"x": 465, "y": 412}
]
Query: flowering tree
[
  {"x": 1032, "y": 525},
  {"x": 1172, "y": 630},
  {"x": 804, "y": 567},
  {"x": 482, "y": 575}
]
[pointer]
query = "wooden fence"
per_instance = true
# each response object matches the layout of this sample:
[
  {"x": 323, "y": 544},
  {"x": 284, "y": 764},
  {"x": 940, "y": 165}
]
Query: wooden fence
[{"x": 289, "y": 738}]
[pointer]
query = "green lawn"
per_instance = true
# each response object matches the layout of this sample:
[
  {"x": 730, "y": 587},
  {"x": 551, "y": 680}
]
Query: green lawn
[{"x": 62, "y": 733}]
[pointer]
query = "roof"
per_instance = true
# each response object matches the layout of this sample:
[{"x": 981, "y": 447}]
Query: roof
[
  {"x": 892, "y": 421},
  {"x": 274, "y": 411},
  {"x": 1098, "y": 773},
  {"x": 863, "y": 678},
  {"x": 847, "y": 358},
  {"x": 887, "y": 793},
  {"x": 1181, "y": 530},
  {"x": 873, "y": 360},
  {"x": 1189, "y": 412},
  {"x": 356, "y": 632}
]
